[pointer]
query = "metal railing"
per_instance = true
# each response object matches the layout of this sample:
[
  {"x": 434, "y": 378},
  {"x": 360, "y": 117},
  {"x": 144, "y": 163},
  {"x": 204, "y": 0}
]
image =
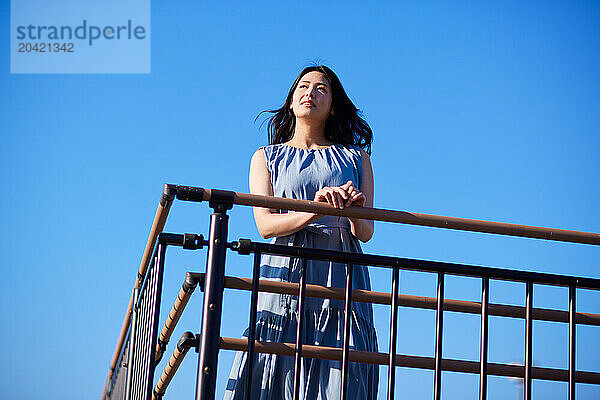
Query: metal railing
[
  {"x": 148, "y": 351},
  {"x": 135, "y": 365},
  {"x": 141, "y": 348}
]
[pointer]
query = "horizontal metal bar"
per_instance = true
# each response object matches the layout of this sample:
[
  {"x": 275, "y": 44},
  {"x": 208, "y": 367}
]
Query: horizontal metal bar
[
  {"x": 243, "y": 246},
  {"x": 189, "y": 241},
  {"x": 404, "y": 217},
  {"x": 472, "y": 367},
  {"x": 430, "y": 303},
  {"x": 367, "y": 296}
]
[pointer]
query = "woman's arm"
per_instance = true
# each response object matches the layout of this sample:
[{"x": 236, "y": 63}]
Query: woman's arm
[
  {"x": 268, "y": 222},
  {"x": 363, "y": 228}
]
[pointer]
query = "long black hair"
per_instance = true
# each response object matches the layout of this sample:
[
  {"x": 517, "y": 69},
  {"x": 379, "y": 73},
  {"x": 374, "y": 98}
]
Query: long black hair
[{"x": 345, "y": 126}]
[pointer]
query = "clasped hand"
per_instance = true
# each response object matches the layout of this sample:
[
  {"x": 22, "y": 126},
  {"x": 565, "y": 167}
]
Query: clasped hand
[{"x": 341, "y": 196}]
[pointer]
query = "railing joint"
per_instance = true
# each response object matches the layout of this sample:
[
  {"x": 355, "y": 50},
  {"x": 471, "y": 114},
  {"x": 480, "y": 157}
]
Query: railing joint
[
  {"x": 166, "y": 238},
  {"x": 242, "y": 246},
  {"x": 163, "y": 345},
  {"x": 190, "y": 283},
  {"x": 190, "y": 193},
  {"x": 221, "y": 200},
  {"x": 192, "y": 241},
  {"x": 140, "y": 279},
  {"x": 168, "y": 194},
  {"x": 187, "y": 341}
]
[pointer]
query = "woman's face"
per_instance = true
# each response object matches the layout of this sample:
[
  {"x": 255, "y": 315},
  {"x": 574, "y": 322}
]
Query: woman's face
[{"x": 312, "y": 97}]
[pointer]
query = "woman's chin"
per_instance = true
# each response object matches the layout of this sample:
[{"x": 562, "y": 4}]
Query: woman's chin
[{"x": 310, "y": 115}]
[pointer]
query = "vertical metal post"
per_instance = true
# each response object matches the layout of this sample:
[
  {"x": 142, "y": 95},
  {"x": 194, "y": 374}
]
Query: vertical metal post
[
  {"x": 528, "y": 339},
  {"x": 213, "y": 302},
  {"x": 347, "y": 329},
  {"x": 252, "y": 323},
  {"x": 572, "y": 337},
  {"x": 131, "y": 347},
  {"x": 483, "y": 353},
  {"x": 299, "y": 329},
  {"x": 437, "y": 390},
  {"x": 393, "y": 333}
]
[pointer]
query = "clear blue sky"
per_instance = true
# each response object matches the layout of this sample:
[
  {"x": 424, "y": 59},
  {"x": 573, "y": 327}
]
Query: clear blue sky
[{"x": 481, "y": 110}]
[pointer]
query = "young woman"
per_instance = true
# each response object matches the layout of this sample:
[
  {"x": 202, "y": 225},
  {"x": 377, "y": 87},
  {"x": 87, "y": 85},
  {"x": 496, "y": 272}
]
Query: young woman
[{"x": 316, "y": 152}]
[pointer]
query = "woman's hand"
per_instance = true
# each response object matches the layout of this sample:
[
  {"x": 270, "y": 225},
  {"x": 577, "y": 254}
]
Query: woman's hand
[
  {"x": 348, "y": 195},
  {"x": 341, "y": 196},
  {"x": 357, "y": 198},
  {"x": 345, "y": 196}
]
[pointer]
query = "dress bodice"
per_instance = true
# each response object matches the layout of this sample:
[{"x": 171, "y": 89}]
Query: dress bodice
[{"x": 299, "y": 173}]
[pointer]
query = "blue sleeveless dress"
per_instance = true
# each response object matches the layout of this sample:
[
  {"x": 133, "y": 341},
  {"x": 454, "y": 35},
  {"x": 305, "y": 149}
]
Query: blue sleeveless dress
[{"x": 299, "y": 173}]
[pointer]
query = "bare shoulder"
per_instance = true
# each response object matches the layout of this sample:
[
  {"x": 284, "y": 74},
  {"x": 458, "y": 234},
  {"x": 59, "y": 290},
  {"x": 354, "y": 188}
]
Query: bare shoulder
[
  {"x": 260, "y": 177},
  {"x": 259, "y": 154},
  {"x": 258, "y": 165},
  {"x": 259, "y": 158}
]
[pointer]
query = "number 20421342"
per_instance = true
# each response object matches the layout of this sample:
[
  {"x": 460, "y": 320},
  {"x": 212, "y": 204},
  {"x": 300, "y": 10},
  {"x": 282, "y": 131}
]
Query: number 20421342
[{"x": 46, "y": 47}]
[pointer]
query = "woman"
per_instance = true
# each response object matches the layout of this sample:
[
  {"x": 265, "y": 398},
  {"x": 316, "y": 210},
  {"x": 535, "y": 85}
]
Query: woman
[{"x": 316, "y": 153}]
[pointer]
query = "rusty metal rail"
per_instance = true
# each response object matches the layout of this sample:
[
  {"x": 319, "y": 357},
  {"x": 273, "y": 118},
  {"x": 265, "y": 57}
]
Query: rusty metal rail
[
  {"x": 378, "y": 214},
  {"x": 221, "y": 201},
  {"x": 404, "y": 300},
  {"x": 472, "y": 367}
]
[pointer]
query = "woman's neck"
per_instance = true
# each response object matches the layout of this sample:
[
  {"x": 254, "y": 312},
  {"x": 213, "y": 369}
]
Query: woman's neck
[{"x": 307, "y": 135}]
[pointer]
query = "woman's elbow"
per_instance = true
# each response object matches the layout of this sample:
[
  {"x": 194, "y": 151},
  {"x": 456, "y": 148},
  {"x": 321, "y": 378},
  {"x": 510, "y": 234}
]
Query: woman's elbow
[
  {"x": 264, "y": 232},
  {"x": 368, "y": 234},
  {"x": 366, "y": 237},
  {"x": 264, "y": 235},
  {"x": 263, "y": 228}
]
